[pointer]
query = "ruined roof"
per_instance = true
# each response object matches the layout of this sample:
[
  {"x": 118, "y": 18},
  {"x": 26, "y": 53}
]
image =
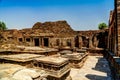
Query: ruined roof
[{"x": 52, "y": 60}]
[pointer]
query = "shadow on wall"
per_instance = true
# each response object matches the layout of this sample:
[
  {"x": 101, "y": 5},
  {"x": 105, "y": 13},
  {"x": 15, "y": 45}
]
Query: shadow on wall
[{"x": 102, "y": 39}]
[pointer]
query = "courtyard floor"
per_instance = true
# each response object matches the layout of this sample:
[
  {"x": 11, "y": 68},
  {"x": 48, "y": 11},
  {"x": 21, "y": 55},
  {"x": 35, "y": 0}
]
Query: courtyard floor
[{"x": 95, "y": 68}]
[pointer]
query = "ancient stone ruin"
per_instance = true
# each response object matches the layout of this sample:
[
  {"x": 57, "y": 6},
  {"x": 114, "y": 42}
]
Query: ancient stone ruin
[
  {"x": 48, "y": 51},
  {"x": 57, "y": 34},
  {"x": 39, "y": 48}
]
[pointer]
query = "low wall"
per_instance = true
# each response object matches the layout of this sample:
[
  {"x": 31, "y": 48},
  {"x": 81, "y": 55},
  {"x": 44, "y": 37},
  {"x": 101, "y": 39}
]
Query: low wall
[
  {"x": 114, "y": 63},
  {"x": 96, "y": 52}
]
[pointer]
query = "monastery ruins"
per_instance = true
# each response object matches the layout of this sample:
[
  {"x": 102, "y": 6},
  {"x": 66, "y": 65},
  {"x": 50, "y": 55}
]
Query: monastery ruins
[{"x": 49, "y": 50}]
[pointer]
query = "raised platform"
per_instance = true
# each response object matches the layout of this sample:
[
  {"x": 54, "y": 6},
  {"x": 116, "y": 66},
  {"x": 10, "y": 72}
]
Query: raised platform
[
  {"x": 56, "y": 67},
  {"x": 30, "y": 50},
  {"x": 76, "y": 59},
  {"x": 21, "y": 59}
]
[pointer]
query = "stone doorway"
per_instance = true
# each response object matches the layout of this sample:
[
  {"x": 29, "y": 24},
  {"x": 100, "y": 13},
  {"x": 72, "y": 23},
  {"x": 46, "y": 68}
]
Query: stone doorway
[
  {"x": 77, "y": 41},
  {"x": 46, "y": 42},
  {"x": 85, "y": 41},
  {"x": 36, "y": 42}
]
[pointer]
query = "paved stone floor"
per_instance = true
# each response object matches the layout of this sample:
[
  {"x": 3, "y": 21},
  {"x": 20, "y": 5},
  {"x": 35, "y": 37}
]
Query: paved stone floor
[{"x": 95, "y": 68}]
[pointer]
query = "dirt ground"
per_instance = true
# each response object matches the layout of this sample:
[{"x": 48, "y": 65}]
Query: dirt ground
[{"x": 95, "y": 68}]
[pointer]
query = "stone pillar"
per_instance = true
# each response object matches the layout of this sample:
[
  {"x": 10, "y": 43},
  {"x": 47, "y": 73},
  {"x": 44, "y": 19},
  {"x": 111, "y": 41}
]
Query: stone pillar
[
  {"x": 42, "y": 42},
  {"x": 95, "y": 42},
  {"x": 32, "y": 41},
  {"x": 48, "y": 42},
  {"x": 80, "y": 42},
  {"x": 62, "y": 42},
  {"x": 39, "y": 41},
  {"x": 90, "y": 42},
  {"x": 24, "y": 39},
  {"x": 72, "y": 43}
]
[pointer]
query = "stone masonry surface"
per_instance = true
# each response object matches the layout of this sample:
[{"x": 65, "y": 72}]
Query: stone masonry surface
[{"x": 95, "y": 68}]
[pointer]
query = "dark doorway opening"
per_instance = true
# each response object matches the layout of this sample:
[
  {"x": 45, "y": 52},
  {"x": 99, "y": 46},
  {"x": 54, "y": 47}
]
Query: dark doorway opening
[
  {"x": 46, "y": 42},
  {"x": 85, "y": 41},
  {"x": 69, "y": 42},
  {"x": 20, "y": 39},
  {"x": 28, "y": 39},
  {"x": 36, "y": 42},
  {"x": 76, "y": 41}
]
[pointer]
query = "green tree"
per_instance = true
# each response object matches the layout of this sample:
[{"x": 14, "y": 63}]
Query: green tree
[
  {"x": 2, "y": 26},
  {"x": 102, "y": 26}
]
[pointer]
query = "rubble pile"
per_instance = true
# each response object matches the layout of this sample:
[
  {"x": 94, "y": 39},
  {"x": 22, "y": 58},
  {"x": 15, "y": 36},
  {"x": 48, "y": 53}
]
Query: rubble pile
[
  {"x": 8, "y": 46},
  {"x": 55, "y": 27},
  {"x": 17, "y": 72}
]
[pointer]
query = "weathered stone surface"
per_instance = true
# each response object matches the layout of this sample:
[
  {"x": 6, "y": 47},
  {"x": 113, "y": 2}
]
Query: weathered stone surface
[
  {"x": 95, "y": 68},
  {"x": 53, "y": 34},
  {"x": 65, "y": 52},
  {"x": 28, "y": 74},
  {"x": 17, "y": 72},
  {"x": 56, "y": 27}
]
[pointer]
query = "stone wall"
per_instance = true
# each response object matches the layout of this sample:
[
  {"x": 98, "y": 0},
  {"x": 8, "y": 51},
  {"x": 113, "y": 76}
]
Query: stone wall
[
  {"x": 55, "y": 34},
  {"x": 94, "y": 38}
]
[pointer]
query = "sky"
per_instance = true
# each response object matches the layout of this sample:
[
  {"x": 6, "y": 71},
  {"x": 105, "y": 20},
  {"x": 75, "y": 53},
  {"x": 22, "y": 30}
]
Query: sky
[{"x": 80, "y": 14}]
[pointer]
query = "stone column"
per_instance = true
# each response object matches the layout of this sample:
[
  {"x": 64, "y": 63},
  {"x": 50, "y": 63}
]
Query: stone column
[
  {"x": 62, "y": 42},
  {"x": 73, "y": 42},
  {"x": 80, "y": 42},
  {"x": 39, "y": 41},
  {"x": 24, "y": 39},
  {"x": 90, "y": 42},
  {"x": 95, "y": 42},
  {"x": 48, "y": 42},
  {"x": 42, "y": 42},
  {"x": 31, "y": 41}
]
